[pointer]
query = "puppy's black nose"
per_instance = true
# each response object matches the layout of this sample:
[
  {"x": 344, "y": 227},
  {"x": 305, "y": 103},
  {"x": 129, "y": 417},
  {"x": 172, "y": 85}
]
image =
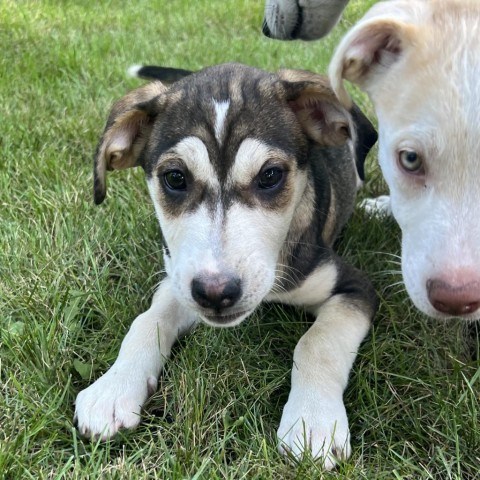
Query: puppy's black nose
[
  {"x": 266, "y": 30},
  {"x": 216, "y": 292}
]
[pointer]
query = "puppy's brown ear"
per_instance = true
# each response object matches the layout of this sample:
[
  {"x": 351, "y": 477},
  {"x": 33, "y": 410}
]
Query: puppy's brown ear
[
  {"x": 378, "y": 41},
  {"x": 126, "y": 134},
  {"x": 322, "y": 117}
]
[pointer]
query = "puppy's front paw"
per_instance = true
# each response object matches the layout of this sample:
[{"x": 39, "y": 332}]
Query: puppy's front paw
[
  {"x": 317, "y": 425},
  {"x": 379, "y": 206},
  {"x": 113, "y": 402}
]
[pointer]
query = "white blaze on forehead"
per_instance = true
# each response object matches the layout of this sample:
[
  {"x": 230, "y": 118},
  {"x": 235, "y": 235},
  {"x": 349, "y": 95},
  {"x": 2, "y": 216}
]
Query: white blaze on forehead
[
  {"x": 251, "y": 156},
  {"x": 221, "y": 110}
]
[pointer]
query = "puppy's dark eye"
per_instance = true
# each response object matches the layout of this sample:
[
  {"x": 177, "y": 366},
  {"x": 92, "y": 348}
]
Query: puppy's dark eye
[
  {"x": 270, "y": 178},
  {"x": 410, "y": 161},
  {"x": 175, "y": 180}
]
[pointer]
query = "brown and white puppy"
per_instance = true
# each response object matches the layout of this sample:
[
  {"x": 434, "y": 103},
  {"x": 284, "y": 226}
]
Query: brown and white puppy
[
  {"x": 301, "y": 19},
  {"x": 419, "y": 61},
  {"x": 252, "y": 176}
]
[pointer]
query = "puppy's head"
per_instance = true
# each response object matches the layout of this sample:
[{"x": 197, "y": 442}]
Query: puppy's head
[
  {"x": 420, "y": 63},
  {"x": 225, "y": 156}
]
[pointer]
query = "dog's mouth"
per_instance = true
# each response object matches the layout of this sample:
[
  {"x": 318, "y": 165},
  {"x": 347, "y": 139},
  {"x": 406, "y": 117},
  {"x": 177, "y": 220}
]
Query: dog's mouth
[{"x": 225, "y": 319}]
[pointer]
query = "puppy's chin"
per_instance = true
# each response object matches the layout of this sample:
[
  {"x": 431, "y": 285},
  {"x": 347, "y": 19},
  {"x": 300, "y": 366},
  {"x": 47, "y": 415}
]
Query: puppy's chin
[
  {"x": 225, "y": 319},
  {"x": 431, "y": 312}
]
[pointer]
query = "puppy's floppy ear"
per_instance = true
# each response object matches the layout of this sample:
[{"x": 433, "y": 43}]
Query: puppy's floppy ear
[
  {"x": 374, "y": 45},
  {"x": 126, "y": 133},
  {"x": 318, "y": 111},
  {"x": 323, "y": 117}
]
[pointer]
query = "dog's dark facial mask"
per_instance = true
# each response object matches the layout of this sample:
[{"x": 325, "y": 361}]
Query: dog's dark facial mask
[{"x": 226, "y": 153}]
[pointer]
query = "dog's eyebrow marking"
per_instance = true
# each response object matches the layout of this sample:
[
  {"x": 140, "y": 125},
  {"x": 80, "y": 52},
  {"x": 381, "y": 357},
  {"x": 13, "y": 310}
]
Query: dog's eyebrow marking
[
  {"x": 250, "y": 157},
  {"x": 194, "y": 154},
  {"x": 221, "y": 109}
]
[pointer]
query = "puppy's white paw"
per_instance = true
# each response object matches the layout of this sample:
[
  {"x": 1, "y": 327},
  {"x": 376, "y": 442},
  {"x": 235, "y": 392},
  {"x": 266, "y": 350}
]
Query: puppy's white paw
[
  {"x": 317, "y": 425},
  {"x": 379, "y": 206},
  {"x": 113, "y": 402}
]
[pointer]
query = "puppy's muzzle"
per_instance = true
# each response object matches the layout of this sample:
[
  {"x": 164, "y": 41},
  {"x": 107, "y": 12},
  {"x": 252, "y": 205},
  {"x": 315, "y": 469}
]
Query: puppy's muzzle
[{"x": 216, "y": 293}]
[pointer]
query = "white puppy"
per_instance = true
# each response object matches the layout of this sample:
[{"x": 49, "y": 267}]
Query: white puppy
[{"x": 419, "y": 61}]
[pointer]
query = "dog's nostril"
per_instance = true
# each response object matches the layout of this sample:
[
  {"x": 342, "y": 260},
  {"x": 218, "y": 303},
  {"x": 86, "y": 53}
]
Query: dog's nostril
[
  {"x": 455, "y": 300},
  {"x": 217, "y": 293}
]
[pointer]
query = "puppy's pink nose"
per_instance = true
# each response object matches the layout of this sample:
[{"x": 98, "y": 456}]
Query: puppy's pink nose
[{"x": 456, "y": 300}]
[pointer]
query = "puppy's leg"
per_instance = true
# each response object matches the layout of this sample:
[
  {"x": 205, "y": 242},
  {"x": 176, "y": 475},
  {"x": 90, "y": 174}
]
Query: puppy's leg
[
  {"x": 115, "y": 399},
  {"x": 314, "y": 418},
  {"x": 378, "y": 206}
]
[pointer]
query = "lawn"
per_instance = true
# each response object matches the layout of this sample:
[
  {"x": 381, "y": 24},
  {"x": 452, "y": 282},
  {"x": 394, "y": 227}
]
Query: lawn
[{"x": 73, "y": 276}]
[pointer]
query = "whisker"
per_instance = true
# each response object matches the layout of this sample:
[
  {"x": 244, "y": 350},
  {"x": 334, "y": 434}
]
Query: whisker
[
  {"x": 285, "y": 280},
  {"x": 391, "y": 272}
]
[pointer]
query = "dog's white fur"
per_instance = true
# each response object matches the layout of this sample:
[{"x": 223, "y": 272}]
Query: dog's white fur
[
  {"x": 419, "y": 61},
  {"x": 114, "y": 401},
  {"x": 221, "y": 109}
]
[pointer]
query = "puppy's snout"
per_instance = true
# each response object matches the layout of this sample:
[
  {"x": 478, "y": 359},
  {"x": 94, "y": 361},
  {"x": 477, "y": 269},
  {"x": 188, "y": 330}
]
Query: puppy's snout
[
  {"x": 454, "y": 299},
  {"x": 216, "y": 292}
]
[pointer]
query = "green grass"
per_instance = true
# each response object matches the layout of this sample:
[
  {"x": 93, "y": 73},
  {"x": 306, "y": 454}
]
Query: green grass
[{"x": 73, "y": 276}]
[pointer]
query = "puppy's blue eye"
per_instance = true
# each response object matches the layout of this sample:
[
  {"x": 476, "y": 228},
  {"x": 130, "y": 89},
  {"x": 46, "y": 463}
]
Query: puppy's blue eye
[
  {"x": 175, "y": 180},
  {"x": 410, "y": 161},
  {"x": 270, "y": 177}
]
